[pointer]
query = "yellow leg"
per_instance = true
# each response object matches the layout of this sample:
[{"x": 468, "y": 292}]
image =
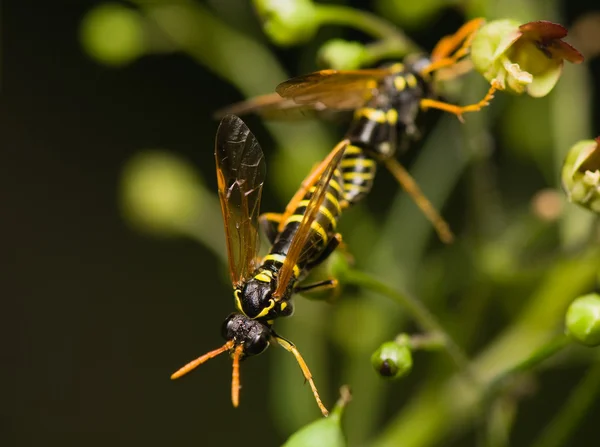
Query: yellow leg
[
  {"x": 273, "y": 217},
  {"x": 449, "y": 49},
  {"x": 269, "y": 223},
  {"x": 289, "y": 346},
  {"x": 413, "y": 190},
  {"x": 459, "y": 110}
]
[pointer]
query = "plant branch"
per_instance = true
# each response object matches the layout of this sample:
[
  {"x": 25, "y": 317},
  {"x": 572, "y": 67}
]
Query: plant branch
[
  {"x": 419, "y": 312},
  {"x": 544, "y": 352},
  {"x": 572, "y": 411},
  {"x": 367, "y": 23}
]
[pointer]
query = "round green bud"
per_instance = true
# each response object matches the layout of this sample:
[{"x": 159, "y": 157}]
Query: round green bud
[
  {"x": 113, "y": 34},
  {"x": 341, "y": 54},
  {"x": 288, "y": 22},
  {"x": 583, "y": 319},
  {"x": 325, "y": 432},
  {"x": 392, "y": 360},
  {"x": 160, "y": 193},
  {"x": 581, "y": 174}
]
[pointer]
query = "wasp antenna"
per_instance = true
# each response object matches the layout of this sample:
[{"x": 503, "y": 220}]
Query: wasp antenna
[
  {"x": 200, "y": 360},
  {"x": 235, "y": 376},
  {"x": 290, "y": 347}
]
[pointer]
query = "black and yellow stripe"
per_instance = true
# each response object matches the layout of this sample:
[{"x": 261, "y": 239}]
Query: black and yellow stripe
[
  {"x": 358, "y": 171},
  {"x": 322, "y": 229},
  {"x": 375, "y": 128},
  {"x": 254, "y": 299}
]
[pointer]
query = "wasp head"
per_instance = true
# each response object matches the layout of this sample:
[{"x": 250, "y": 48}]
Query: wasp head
[{"x": 252, "y": 335}]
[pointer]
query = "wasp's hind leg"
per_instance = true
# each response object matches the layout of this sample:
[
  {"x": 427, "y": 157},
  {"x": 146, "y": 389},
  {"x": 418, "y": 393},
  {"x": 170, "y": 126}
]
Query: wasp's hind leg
[
  {"x": 269, "y": 223},
  {"x": 323, "y": 287},
  {"x": 319, "y": 286}
]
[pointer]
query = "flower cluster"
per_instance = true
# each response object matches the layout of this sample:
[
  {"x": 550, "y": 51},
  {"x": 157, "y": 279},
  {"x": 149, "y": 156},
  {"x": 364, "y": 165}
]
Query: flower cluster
[{"x": 522, "y": 58}]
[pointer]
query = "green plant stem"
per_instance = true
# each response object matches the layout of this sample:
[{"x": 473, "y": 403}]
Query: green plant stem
[
  {"x": 544, "y": 352},
  {"x": 501, "y": 411},
  {"x": 499, "y": 423},
  {"x": 419, "y": 312},
  {"x": 572, "y": 412},
  {"x": 384, "y": 49},
  {"x": 366, "y": 22},
  {"x": 432, "y": 341}
]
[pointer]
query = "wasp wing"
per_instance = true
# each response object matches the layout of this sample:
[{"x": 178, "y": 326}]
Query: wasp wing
[
  {"x": 271, "y": 106},
  {"x": 301, "y": 237},
  {"x": 241, "y": 173},
  {"x": 335, "y": 89}
]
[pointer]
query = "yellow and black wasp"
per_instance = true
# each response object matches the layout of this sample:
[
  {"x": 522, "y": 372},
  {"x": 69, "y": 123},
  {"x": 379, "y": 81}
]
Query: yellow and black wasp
[
  {"x": 301, "y": 239},
  {"x": 386, "y": 102}
]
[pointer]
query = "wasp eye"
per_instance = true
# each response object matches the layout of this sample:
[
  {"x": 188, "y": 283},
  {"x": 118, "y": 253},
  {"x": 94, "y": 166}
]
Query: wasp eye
[
  {"x": 228, "y": 327},
  {"x": 257, "y": 344}
]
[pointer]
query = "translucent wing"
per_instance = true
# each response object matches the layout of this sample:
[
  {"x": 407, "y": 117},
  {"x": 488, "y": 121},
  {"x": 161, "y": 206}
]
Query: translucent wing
[
  {"x": 300, "y": 239},
  {"x": 241, "y": 172},
  {"x": 271, "y": 106},
  {"x": 335, "y": 89}
]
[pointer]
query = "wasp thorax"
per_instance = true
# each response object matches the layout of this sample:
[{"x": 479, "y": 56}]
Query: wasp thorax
[
  {"x": 255, "y": 299},
  {"x": 253, "y": 335}
]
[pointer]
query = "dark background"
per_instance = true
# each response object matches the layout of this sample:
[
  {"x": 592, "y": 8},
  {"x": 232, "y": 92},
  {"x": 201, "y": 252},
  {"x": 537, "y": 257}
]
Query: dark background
[{"x": 93, "y": 312}]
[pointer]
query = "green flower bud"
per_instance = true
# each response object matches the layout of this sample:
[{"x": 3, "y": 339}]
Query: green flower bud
[
  {"x": 325, "y": 432},
  {"x": 522, "y": 58},
  {"x": 581, "y": 174},
  {"x": 583, "y": 319},
  {"x": 392, "y": 360},
  {"x": 288, "y": 22},
  {"x": 341, "y": 54},
  {"x": 160, "y": 193},
  {"x": 113, "y": 34}
]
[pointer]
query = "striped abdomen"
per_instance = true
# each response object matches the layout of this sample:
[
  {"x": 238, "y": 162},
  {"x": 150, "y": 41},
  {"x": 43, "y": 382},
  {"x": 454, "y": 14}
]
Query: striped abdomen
[
  {"x": 376, "y": 127},
  {"x": 358, "y": 171},
  {"x": 322, "y": 229}
]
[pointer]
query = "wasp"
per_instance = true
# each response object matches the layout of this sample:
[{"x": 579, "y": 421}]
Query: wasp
[
  {"x": 387, "y": 103},
  {"x": 263, "y": 288}
]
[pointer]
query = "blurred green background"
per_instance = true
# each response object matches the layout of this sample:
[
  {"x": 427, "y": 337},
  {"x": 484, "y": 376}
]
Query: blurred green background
[{"x": 102, "y": 305}]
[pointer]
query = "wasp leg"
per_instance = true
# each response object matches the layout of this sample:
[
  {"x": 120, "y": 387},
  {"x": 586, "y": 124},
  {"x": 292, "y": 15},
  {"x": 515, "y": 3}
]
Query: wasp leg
[
  {"x": 449, "y": 49},
  {"x": 318, "y": 286},
  {"x": 459, "y": 110},
  {"x": 410, "y": 186},
  {"x": 269, "y": 223},
  {"x": 331, "y": 246},
  {"x": 290, "y": 347},
  {"x": 307, "y": 183}
]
